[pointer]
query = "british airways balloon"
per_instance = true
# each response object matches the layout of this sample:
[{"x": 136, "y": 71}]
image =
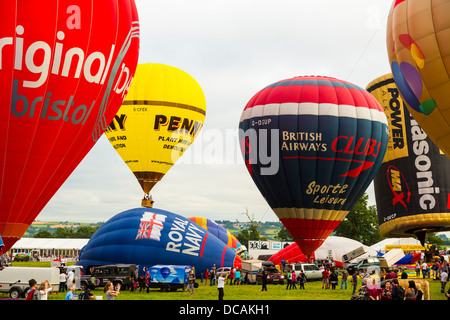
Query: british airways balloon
[
  {"x": 312, "y": 146},
  {"x": 149, "y": 236}
]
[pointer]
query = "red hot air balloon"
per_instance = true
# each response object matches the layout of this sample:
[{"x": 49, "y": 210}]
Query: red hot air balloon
[{"x": 64, "y": 71}]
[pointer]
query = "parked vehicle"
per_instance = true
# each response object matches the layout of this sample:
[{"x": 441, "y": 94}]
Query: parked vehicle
[
  {"x": 116, "y": 273},
  {"x": 363, "y": 263},
  {"x": 312, "y": 272},
  {"x": 274, "y": 276},
  {"x": 169, "y": 277},
  {"x": 385, "y": 262},
  {"x": 222, "y": 271},
  {"x": 251, "y": 267},
  {"x": 14, "y": 280},
  {"x": 22, "y": 256}
]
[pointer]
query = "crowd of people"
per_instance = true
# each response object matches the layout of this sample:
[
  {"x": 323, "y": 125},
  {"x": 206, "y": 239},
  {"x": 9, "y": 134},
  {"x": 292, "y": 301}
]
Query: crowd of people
[{"x": 382, "y": 286}]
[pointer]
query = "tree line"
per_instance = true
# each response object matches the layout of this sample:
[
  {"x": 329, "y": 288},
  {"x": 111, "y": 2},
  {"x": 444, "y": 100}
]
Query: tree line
[{"x": 82, "y": 232}]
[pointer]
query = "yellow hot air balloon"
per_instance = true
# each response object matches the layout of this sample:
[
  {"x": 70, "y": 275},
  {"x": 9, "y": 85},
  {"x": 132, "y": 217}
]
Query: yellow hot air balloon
[
  {"x": 159, "y": 119},
  {"x": 418, "y": 45}
]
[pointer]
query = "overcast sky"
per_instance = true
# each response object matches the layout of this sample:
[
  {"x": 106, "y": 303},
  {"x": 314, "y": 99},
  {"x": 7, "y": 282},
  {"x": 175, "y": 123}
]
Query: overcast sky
[{"x": 233, "y": 49}]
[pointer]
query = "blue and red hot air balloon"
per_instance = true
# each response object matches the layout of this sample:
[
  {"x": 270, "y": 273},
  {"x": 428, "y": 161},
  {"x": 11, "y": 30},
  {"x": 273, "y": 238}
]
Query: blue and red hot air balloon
[
  {"x": 312, "y": 146},
  {"x": 149, "y": 236}
]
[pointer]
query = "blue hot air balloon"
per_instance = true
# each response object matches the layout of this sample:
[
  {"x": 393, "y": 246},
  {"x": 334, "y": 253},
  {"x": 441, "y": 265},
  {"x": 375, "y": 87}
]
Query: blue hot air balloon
[
  {"x": 312, "y": 146},
  {"x": 149, "y": 236}
]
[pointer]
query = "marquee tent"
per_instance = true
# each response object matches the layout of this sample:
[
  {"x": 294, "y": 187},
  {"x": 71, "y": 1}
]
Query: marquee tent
[
  {"x": 381, "y": 246},
  {"x": 49, "y": 247}
]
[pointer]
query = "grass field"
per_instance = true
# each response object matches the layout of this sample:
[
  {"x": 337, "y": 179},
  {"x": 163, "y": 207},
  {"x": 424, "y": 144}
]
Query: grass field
[{"x": 313, "y": 291}]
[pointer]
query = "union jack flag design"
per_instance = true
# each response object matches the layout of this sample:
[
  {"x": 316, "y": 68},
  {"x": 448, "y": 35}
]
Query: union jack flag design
[{"x": 151, "y": 226}]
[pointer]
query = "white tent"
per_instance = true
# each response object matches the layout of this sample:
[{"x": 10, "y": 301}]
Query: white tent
[
  {"x": 338, "y": 246},
  {"x": 49, "y": 247},
  {"x": 380, "y": 246}
]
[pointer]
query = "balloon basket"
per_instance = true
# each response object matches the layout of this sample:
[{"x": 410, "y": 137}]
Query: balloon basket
[{"x": 147, "y": 203}]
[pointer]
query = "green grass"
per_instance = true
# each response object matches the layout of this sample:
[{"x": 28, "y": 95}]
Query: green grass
[{"x": 313, "y": 291}]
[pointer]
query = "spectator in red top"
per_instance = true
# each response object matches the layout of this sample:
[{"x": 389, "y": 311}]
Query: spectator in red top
[
  {"x": 325, "y": 281},
  {"x": 231, "y": 276}
]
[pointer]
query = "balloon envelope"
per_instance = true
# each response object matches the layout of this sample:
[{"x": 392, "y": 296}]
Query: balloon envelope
[
  {"x": 64, "y": 71},
  {"x": 291, "y": 254},
  {"x": 411, "y": 187},
  {"x": 417, "y": 46},
  {"x": 312, "y": 146},
  {"x": 149, "y": 236},
  {"x": 219, "y": 231},
  {"x": 161, "y": 116}
]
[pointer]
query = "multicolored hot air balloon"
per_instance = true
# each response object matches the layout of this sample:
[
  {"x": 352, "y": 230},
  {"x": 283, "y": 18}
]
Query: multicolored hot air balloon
[
  {"x": 149, "y": 236},
  {"x": 161, "y": 116},
  {"x": 64, "y": 71},
  {"x": 411, "y": 188},
  {"x": 418, "y": 50},
  {"x": 312, "y": 146},
  {"x": 219, "y": 231}
]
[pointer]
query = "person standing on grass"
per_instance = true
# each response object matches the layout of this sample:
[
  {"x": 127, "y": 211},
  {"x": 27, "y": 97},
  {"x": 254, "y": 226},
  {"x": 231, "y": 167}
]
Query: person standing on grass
[
  {"x": 221, "y": 284},
  {"x": 62, "y": 281},
  {"x": 237, "y": 277},
  {"x": 289, "y": 280},
  {"x": 264, "y": 280},
  {"x": 344, "y": 278},
  {"x": 293, "y": 280},
  {"x": 444, "y": 278},
  {"x": 191, "y": 283},
  {"x": 354, "y": 281},
  {"x": 206, "y": 276},
  {"x": 212, "y": 275},
  {"x": 302, "y": 279},
  {"x": 325, "y": 280},
  {"x": 231, "y": 276}
]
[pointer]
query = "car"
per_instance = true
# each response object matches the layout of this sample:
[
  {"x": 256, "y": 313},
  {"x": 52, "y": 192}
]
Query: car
[
  {"x": 363, "y": 263},
  {"x": 312, "y": 271},
  {"x": 222, "y": 271},
  {"x": 115, "y": 273},
  {"x": 274, "y": 276}
]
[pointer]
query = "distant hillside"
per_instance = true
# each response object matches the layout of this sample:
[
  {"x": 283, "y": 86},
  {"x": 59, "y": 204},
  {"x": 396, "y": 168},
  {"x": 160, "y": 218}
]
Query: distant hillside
[
  {"x": 268, "y": 229},
  {"x": 51, "y": 226}
]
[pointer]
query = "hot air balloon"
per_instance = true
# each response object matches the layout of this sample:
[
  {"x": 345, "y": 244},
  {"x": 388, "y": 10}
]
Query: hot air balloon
[
  {"x": 64, "y": 71},
  {"x": 161, "y": 116},
  {"x": 411, "y": 187},
  {"x": 312, "y": 146},
  {"x": 150, "y": 236},
  {"x": 219, "y": 231},
  {"x": 291, "y": 254},
  {"x": 417, "y": 46}
]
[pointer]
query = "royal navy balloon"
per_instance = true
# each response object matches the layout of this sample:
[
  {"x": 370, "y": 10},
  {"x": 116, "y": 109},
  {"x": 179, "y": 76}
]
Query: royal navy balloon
[
  {"x": 148, "y": 237},
  {"x": 312, "y": 146}
]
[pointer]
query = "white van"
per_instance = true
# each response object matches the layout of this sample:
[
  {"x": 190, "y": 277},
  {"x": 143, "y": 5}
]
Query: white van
[{"x": 14, "y": 280}]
